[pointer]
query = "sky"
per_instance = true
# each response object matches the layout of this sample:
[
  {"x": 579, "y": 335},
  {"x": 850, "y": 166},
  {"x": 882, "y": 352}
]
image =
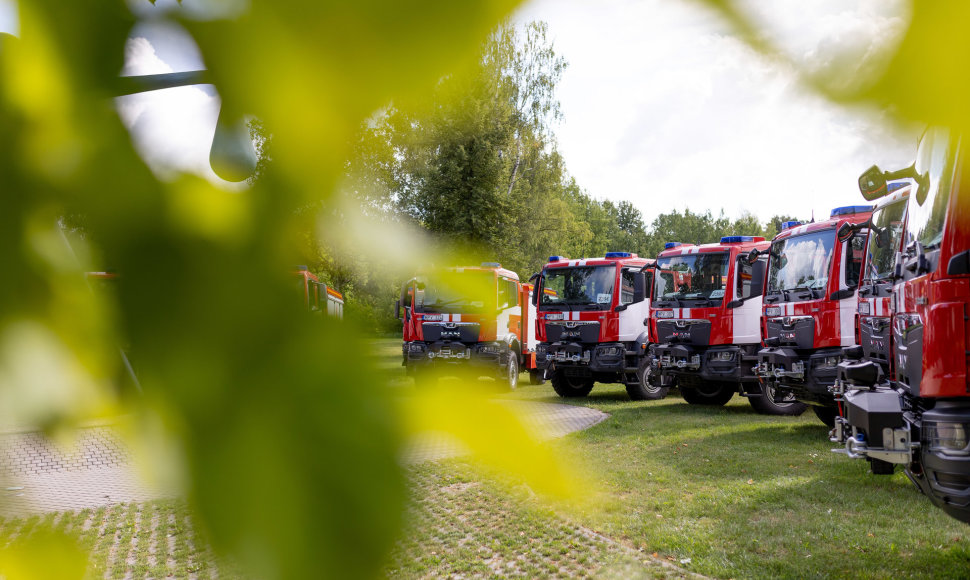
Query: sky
[{"x": 662, "y": 104}]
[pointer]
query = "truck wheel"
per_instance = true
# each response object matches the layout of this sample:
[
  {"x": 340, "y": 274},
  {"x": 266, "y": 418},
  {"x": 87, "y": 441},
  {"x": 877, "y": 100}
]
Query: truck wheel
[
  {"x": 647, "y": 387},
  {"x": 826, "y": 414},
  {"x": 571, "y": 386},
  {"x": 880, "y": 467},
  {"x": 708, "y": 393},
  {"x": 512, "y": 372},
  {"x": 765, "y": 403},
  {"x": 537, "y": 377}
]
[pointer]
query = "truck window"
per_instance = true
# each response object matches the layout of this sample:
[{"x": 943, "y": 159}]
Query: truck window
[
  {"x": 744, "y": 278},
  {"x": 854, "y": 255},
  {"x": 626, "y": 286},
  {"x": 584, "y": 286},
  {"x": 935, "y": 163}
]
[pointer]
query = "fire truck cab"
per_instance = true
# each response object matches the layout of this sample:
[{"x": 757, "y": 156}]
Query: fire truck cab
[
  {"x": 810, "y": 306},
  {"x": 593, "y": 324},
  {"x": 317, "y": 296},
  {"x": 706, "y": 310},
  {"x": 477, "y": 319}
]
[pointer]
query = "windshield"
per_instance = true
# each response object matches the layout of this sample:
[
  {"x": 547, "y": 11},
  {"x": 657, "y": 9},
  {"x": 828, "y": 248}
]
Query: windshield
[
  {"x": 692, "y": 277},
  {"x": 801, "y": 261},
  {"x": 935, "y": 162},
  {"x": 884, "y": 233},
  {"x": 452, "y": 291},
  {"x": 589, "y": 286}
]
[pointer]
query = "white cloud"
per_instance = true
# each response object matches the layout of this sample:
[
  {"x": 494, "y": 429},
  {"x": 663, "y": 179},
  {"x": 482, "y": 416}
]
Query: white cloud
[
  {"x": 172, "y": 129},
  {"x": 664, "y": 107}
]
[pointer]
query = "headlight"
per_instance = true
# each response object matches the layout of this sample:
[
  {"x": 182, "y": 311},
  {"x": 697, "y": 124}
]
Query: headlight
[
  {"x": 611, "y": 351},
  {"x": 864, "y": 308},
  {"x": 722, "y": 356},
  {"x": 773, "y": 311},
  {"x": 416, "y": 347},
  {"x": 828, "y": 362},
  {"x": 949, "y": 438},
  {"x": 541, "y": 348},
  {"x": 490, "y": 348},
  {"x": 432, "y": 317},
  {"x": 554, "y": 316},
  {"x": 665, "y": 313}
]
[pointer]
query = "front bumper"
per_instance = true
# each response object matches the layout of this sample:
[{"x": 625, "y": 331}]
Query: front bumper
[
  {"x": 715, "y": 363},
  {"x": 420, "y": 354},
  {"x": 600, "y": 358},
  {"x": 807, "y": 374}
]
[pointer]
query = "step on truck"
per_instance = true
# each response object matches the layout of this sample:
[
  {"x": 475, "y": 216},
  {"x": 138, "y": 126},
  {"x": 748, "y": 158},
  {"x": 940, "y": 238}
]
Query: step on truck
[
  {"x": 918, "y": 415},
  {"x": 706, "y": 310},
  {"x": 473, "y": 320},
  {"x": 593, "y": 324},
  {"x": 810, "y": 305}
]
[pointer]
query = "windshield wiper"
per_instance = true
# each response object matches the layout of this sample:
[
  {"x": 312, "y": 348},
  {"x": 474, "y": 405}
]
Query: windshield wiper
[
  {"x": 809, "y": 289},
  {"x": 769, "y": 295}
]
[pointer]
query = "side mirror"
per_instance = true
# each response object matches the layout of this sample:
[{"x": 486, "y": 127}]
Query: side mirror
[
  {"x": 752, "y": 255},
  {"x": 758, "y": 270},
  {"x": 872, "y": 183},
  {"x": 844, "y": 232},
  {"x": 639, "y": 287},
  {"x": 959, "y": 264},
  {"x": 397, "y": 310}
]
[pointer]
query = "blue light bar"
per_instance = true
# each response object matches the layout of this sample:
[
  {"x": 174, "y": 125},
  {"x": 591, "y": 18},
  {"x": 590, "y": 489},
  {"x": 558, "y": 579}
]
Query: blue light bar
[
  {"x": 669, "y": 245},
  {"x": 850, "y": 209},
  {"x": 491, "y": 265},
  {"x": 557, "y": 258},
  {"x": 894, "y": 185},
  {"x": 736, "y": 239},
  {"x": 618, "y": 255},
  {"x": 789, "y": 225}
]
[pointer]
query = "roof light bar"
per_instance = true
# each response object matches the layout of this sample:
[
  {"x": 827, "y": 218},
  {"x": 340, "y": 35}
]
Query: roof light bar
[
  {"x": 619, "y": 255},
  {"x": 739, "y": 239},
  {"x": 557, "y": 258},
  {"x": 850, "y": 209},
  {"x": 669, "y": 245},
  {"x": 789, "y": 225},
  {"x": 491, "y": 265}
]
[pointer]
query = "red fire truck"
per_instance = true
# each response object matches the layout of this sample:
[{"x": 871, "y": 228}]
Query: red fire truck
[
  {"x": 707, "y": 312},
  {"x": 810, "y": 306},
  {"x": 919, "y": 415},
  {"x": 468, "y": 318},
  {"x": 593, "y": 324},
  {"x": 317, "y": 296}
]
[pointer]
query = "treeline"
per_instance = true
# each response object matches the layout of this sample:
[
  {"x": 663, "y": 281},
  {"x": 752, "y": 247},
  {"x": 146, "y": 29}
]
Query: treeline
[{"x": 475, "y": 165}]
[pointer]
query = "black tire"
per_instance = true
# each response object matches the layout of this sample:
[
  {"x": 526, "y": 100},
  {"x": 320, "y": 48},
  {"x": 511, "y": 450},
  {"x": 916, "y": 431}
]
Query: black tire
[
  {"x": 709, "y": 393},
  {"x": 647, "y": 387},
  {"x": 826, "y": 414},
  {"x": 765, "y": 403},
  {"x": 567, "y": 387},
  {"x": 880, "y": 467},
  {"x": 537, "y": 377},
  {"x": 512, "y": 373}
]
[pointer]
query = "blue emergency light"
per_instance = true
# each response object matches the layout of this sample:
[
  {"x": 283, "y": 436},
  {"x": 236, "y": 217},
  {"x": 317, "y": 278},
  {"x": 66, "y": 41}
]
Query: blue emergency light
[
  {"x": 739, "y": 239},
  {"x": 556, "y": 258},
  {"x": 619, "y": 255},
  {"x": 896, "y": 185},
  {"x": 789, "y": 225},
  {"x": 491, "y": 265},
  {"x": 669, "y": 245},
  {"x": 850, "y": 209}
]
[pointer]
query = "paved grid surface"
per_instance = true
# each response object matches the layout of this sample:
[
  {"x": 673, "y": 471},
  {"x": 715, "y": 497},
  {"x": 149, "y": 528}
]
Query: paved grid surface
[
  {"x": 37, "y": 476},
  {"x": 544, "y": 420}
]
